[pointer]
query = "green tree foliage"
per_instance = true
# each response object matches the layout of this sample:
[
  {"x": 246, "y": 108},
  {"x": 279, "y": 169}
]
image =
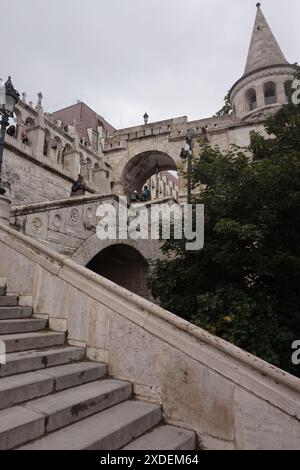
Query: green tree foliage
[
  {"x": 297, "y": 73},
  {"x": 290, "y": 84},
  {"x": 227, "y": 109},
  {"x": 244, "y": 284}
]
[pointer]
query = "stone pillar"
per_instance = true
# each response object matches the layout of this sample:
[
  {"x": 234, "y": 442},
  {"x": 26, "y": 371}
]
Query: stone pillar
[
  {"x": 36, "y": 134},
  {"x": 281, "y": 97},
  {"x": 99, "y": 180},
  {"x": 182, "y": 183},
  {"x": 72, "y": 163},
  {"x": 4, "y": 210},
  {"x": 260, "y": 96}
]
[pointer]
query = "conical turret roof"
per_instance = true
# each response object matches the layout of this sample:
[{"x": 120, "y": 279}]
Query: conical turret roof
[{"x": 264, "y": 50}]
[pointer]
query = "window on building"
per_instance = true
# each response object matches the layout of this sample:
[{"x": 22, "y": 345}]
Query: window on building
[
  {"x": 270, "y": 93},
  {"x": 251, "y": 99}
]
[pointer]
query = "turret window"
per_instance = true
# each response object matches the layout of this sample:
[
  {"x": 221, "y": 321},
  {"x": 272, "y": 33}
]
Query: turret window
[
  {"x": 251, "y": 99},
  {"x": 270, "y": 93}
]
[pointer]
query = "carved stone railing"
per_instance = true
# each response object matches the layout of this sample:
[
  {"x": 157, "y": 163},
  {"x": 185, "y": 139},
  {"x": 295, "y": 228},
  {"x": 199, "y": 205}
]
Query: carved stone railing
[{"x": 63, "y": 224}]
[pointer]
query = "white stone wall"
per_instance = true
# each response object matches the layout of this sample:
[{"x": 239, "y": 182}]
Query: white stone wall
[
  {"x": 31, "y": 182},
  {"x": 232, "y": 399}
]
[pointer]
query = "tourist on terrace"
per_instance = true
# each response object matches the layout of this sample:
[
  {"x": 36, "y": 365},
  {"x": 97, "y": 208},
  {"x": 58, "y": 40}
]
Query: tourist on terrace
[
  {"x": 146, "y": 195},
  {"x": 79, "y": 187},
  {"x": 134, "y": 197}
]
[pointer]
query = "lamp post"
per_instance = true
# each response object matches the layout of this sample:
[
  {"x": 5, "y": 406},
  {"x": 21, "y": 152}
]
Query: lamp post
[
  {"x": 157, "y": 171},
  {"x": 8, "y": 100},
  {"x": 187, "y": 154},
  {"x": 145, "y": 117}
]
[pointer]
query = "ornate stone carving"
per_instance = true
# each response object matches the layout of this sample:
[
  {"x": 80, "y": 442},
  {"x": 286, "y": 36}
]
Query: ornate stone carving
[
  {"x": 57, "y": 221},
  {"x": 74, "y": 216},
  {"x": 36, "y": 225}
]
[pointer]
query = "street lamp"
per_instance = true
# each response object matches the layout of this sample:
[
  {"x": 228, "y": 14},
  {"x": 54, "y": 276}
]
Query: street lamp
[
  {"x": 146, "y": 117},
  {"x": 157, "y": 169},
  {"x": 8, "y": 100},
  {"x": 187, "y": 154}
]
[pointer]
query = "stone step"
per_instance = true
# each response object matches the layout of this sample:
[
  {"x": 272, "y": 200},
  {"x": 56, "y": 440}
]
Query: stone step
[
  {"x": 7, "y": 313},
  {"x": 26, "y": 341},
  {"x": 8, "y": 301},
  {"x": 164, "y": 437},
  {"x": 71, "y": 375},
  {"x": 58, "y": 410},
  {"x": 109, "y": 430},
  {"x": 18, "y": 424},
  {"x": 21, "y": 325},
  {"x": 23, "y": 387},
  {"x": 25, "y": 361}
]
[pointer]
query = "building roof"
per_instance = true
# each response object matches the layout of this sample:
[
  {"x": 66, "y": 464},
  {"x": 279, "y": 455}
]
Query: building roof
[
  {"x": 84, "y": 117},
  {"x": 264, "y": 50},
  {"x": 170, "y": 176}
]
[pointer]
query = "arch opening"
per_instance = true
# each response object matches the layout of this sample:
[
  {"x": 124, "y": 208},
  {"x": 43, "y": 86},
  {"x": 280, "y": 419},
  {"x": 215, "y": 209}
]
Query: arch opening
[
  {"x": 142, "y": 167},
  {"x": 123, "y": 265},
  {"x": 270, "y": 93},
  {"x": 251, "y": 99}
]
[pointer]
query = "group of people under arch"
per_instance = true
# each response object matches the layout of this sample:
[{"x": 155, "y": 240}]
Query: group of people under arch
[{"x": 143, "y": 197}]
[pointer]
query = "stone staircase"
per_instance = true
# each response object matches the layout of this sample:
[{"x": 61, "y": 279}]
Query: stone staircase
[{"x": 51, "y": 397}]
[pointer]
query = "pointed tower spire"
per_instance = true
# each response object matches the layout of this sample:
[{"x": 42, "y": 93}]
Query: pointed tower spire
[{"x": 264, "y": 50}]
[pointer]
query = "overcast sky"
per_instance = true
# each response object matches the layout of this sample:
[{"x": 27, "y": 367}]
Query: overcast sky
[{"x": 124, "y": 57}]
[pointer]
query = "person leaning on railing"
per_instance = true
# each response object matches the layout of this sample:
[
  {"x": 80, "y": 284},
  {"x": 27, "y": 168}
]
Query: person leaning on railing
[{"x": 79, "y": 187}]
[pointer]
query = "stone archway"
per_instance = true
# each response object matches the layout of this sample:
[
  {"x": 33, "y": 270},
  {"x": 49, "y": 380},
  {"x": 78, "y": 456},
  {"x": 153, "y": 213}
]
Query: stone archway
[
  {"x": 132, "y": 169},
  {"x": 123, "y": 255},
  {"x": 123, "y": 265},
  {"x": 139, "y": 168}
]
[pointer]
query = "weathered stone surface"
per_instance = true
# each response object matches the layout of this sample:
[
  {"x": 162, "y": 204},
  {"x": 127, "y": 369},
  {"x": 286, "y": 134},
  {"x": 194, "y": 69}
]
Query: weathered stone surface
[
  {"x": 139, "y": 358},
  {"x": 164, "y": 438},
  {"x": 99, "y": 327},
  {"x": 25, "y": 341},
  {"x": 50, "y": 301},
  {"x": 70, "y": 375},
  {"x": 22, "y": 387},
  {"x": 204, "y": 398},
  {"x": 18, "y": 425},
  {"x": 11, "y": 264},
  {"x": 69, "y": 406},
  {"x": 261, "y": 425},
  {"x": 7, "y": 301},
  {"x": 108, "y": 430},
  {"x": 21, "y": 325},
  {"x": 25, "y": 301},
  {"x": 33, "y": 360},
  {"x": 14, "y": 312}
]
